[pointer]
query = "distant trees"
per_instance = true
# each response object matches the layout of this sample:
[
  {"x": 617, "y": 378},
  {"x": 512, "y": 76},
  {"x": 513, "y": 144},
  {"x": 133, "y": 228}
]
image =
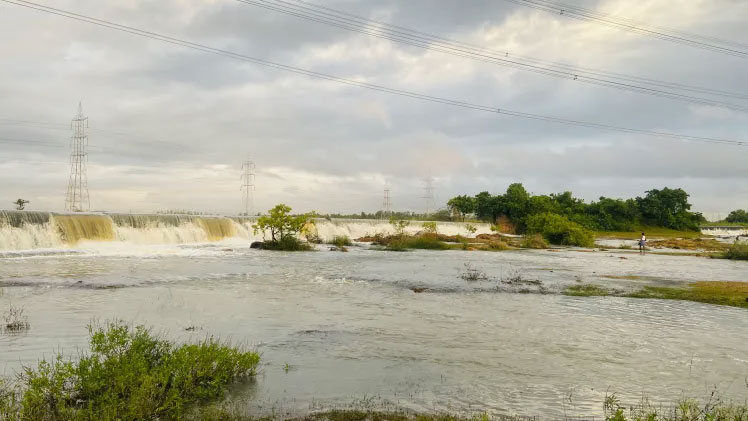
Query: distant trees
[
  {"x": 738, "y": 215},
  {"x": 659, "y": 207},
  {"x": 20, "y": 204}
]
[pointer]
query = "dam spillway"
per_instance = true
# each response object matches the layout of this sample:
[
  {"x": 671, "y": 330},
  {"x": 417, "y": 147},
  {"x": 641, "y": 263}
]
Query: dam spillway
[{"x": 29, "y": 230}]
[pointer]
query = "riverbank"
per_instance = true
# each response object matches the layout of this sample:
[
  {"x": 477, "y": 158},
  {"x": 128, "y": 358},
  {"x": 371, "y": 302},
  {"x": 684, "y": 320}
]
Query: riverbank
[{"x": 733, "y": 294}]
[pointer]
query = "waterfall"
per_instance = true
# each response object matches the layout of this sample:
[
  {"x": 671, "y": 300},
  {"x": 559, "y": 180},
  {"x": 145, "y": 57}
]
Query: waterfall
[{"x": 26, "y": 230}]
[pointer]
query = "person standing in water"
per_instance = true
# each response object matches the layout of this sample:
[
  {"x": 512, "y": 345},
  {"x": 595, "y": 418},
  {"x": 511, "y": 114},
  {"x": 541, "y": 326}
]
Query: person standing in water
[{"x": 642, "y": 243}]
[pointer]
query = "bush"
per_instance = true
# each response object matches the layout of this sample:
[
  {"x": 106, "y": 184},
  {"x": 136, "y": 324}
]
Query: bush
[
  {"x": 429, "y": 227},
  {"x": 497, "y": 245},
  {"x": 737, "y": 251},
  {"x": 534, "y": 241},
  {"x": 425, "y": 242},
  {"x": 130, "y": 374},
  {"x": 286, "y": 243},
  {"x": 559, "y": 230},
  {"x": 340, "y": 241}
]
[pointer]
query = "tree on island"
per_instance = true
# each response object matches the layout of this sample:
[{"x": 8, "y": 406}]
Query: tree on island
[
  {"x": 20, "y": 204},
  {"x": 283, "y": 228}
]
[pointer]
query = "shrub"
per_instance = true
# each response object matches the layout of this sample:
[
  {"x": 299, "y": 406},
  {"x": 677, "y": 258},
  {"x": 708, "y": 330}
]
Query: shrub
[
  {"x": 737, "y": 251},
  {"x": 130, "y": 374},
  {"x": 497, "y": 245},
  {"x": 287, "y": 243},
  {"x": 429, "y": 227},
  {"x": 559, "y": 230},
  {"x": 534, "y": 241},
  {"x": 340, "y": 241},
  {"x": 416, "y": 242}
]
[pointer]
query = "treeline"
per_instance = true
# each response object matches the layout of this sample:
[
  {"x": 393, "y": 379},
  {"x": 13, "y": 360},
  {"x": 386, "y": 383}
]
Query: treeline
[
  {"x": 665, "y": 207},
  {"x": 738, "y": 216}
]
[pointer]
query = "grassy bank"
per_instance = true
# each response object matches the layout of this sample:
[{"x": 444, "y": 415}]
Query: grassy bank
[
  {"x": 127, "y": 374},
  {"x": 734, "y": 294}
]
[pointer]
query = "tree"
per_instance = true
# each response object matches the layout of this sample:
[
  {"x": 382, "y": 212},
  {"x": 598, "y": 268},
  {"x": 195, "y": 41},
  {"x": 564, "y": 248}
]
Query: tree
[
  {"x": 668, "y": 208},
  {"x": 20, "y": 204},
  {"x": 281, "y": 224},
  {"x": 462, "y": 205},
  {"x": 470, "y": 229},
  {"x": 515, "y": 202},
  {"x": 399, "y": 225},
  {"x": 429, "y": 227},
  {"x": 738, "y": 215}
]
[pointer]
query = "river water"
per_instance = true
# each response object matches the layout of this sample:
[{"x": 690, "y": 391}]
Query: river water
[{"x": 351, "y": 328}]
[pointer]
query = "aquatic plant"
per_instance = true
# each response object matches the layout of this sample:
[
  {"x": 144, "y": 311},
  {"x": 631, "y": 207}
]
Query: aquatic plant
[
  {"x": 340, "y": 241},
  {"x": 16, "y": 320},
  {"x": 472, "y": 274},
  {"x": 586, "y": 290},
  {"x": 128, "y": 374}
]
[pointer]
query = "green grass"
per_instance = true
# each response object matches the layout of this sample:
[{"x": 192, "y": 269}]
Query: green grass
[
  {"x": 416, "y": 242},
  {"x": 287, "y": 243},
  {"x": 651, "y": 232},
  {"x": 733, "y": 294},
  {"x": 534, "y": 241},
  {"x": 724, "y": 224},
  {"x": 587, "y": 290},
  {"x": 127, "y": 374}
]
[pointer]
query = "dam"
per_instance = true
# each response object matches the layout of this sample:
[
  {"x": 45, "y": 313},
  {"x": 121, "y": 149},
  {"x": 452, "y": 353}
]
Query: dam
[{"x": 30, "y": 230}]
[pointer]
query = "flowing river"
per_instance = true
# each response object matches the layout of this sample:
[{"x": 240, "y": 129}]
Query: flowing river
[{"x": 397, "y": 328}]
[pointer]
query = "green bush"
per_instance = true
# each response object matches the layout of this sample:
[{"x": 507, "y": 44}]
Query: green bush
[
  {"x": 341, "y": 241},
  {"x": 130, "y": 374},
  {"x": 737, "y": 251},
  {"x": 534, "y": 241},
  {"x": 287, "y": 243},
  {"x": 497, "y": 245},
  {"x": 425, "y": 242},
  {"x": 559, "y": 230}
]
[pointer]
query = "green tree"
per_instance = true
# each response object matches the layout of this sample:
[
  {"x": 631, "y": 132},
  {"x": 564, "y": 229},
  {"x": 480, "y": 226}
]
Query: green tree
[
  {"x": 516, "y": 202},
  {"x": 558, "y": 229},
  {"x": 281, "y": 224},
  {"x": 399, "y": 225},
  {"x": 429, "y": 227},
  {"x": 738, "y": 215},
  {"x": 668, "y": 208},
  {"x": 462, "y": 205}
]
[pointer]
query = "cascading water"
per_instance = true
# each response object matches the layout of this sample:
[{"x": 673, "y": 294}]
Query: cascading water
[{"x": 26, "y": 230}]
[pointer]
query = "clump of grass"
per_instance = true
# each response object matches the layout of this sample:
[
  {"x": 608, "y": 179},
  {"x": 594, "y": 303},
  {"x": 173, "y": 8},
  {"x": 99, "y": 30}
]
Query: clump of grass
[
  {"x": 534, "y": 241},
  {"x": 340, "y": 241},
  {"x": 586, "y": 290},
  {"x": 497, "y": 245},
  {"x": 708, "y": 244},
  {"x": 733, "y": 294},
  {"x": 15, "y": 320},
  {"x": 424, "y": 242},
  {"x": 128, "y": 374},
  {"x": 473, "y": 274},
  {"x": 685, "y": 409},
  {"x": 737, "y": 251}
]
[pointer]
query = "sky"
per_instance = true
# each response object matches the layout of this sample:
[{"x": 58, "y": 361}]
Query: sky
[{"x": 170, "y": 126}]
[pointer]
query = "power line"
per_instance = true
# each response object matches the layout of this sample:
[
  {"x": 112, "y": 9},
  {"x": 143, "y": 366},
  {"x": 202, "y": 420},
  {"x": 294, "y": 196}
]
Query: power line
[
  {"x": 732, "y": 48},
  {"x": 352, "y": 82},
  {"x": 336, "y": 18}
]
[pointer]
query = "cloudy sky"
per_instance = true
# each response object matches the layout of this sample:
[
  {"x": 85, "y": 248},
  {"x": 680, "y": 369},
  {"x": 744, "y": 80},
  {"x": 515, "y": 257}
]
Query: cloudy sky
[{"x": 170, "y": 126}]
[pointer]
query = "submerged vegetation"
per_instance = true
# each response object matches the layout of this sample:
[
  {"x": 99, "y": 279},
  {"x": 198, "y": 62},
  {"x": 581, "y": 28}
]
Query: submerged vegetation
[
  {"x": 15, "y": 320},
  {"x": 128, "y": 374},
  {"x": 733, "y": 294}
]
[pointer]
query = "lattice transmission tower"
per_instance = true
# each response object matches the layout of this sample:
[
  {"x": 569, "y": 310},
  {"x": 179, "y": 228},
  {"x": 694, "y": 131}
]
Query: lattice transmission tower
[
  {"x": 386, "y": 203},
  {"x": 428, "y": 194},
  {"x": 248, "y": 186},
  {"x": 77, "y": 199}
]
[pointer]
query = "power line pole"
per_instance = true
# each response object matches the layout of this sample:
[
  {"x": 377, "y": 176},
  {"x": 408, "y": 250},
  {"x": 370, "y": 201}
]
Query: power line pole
[
  {"x": 428, "y": 194},
  {"x": 77, "y": 199},
  {"x": 386, "y": 203},
  {"x": 248, "y": 186}
]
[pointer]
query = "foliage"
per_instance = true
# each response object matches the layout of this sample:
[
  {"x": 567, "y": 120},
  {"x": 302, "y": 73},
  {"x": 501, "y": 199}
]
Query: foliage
[
  {"x": 399, "y": 225},
  {"x": 737, "y": 251},
  {"x": 559, "y": 230},
  {"x": 732, "y": 294},
  {"x": 461, "y": 206},
  {"x": 425, "y": 242},
  {"x": 738, "y": 215},
  {"x": 20, "y": 204},
  {"x": 288, "y": 243},
  {"x": 429, "y": 227},
  {"x": 662, "y": 208},
  {"x": 497, "y": 245},
  {"x": 471, "y": 229},
  {"x": 341, "y": 241},
  {"x": 281, "y": 224},
  {"x": 128, "y": 374},
  {"x": 534, "y": 241}
]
